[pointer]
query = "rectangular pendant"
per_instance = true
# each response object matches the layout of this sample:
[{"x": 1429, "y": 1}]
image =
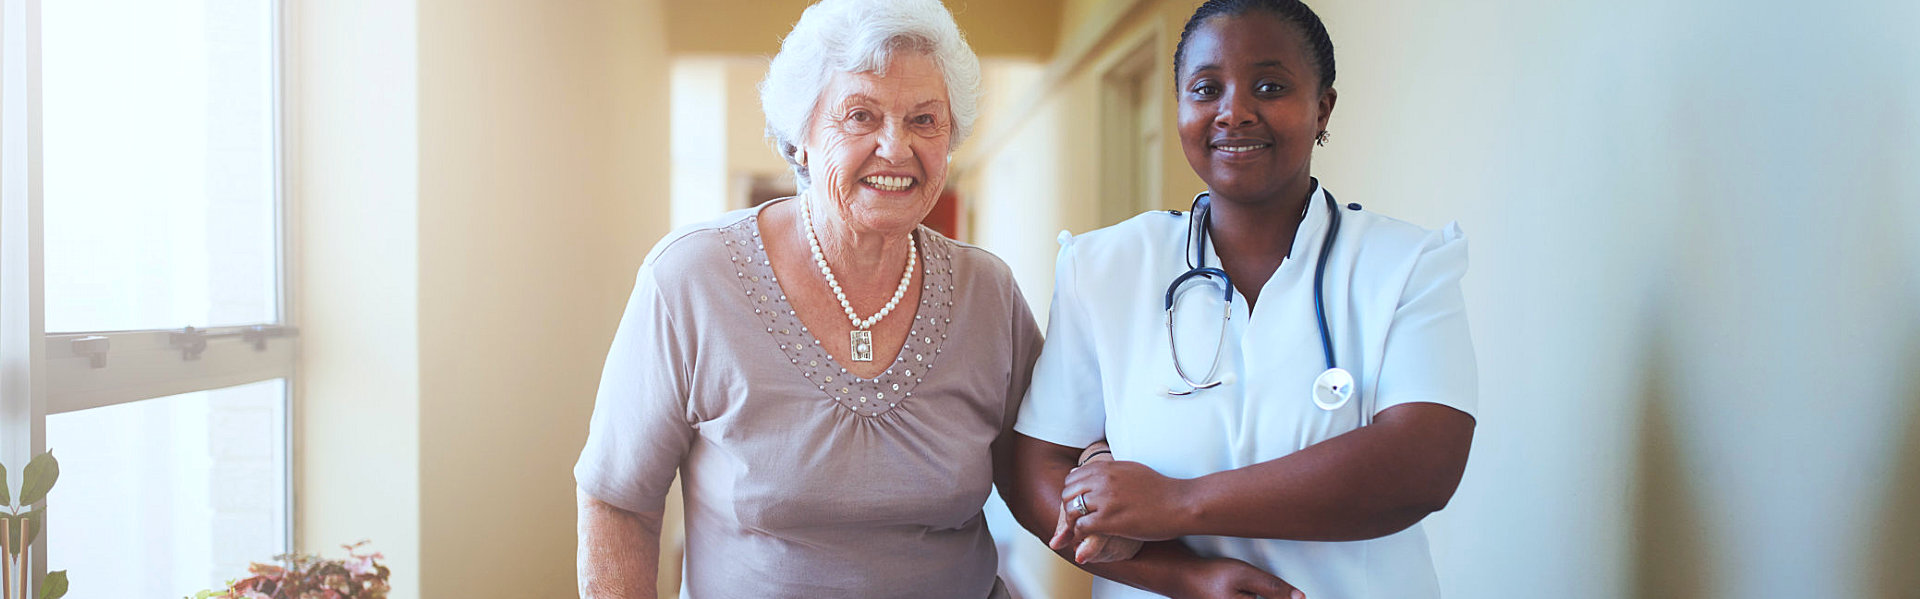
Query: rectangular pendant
[{"x": 862, "y": 345}]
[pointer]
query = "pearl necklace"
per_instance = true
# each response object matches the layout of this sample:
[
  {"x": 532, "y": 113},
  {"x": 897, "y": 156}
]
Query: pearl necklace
[{"x": 860, "y": 338}]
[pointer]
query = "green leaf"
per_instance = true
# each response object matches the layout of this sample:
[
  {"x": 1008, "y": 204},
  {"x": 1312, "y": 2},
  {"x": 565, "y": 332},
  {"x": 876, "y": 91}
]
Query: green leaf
[
  {"x": 6, "y": 497},
  {"x": 55, "y": 586},
  {"x": 39, "y": 477}
]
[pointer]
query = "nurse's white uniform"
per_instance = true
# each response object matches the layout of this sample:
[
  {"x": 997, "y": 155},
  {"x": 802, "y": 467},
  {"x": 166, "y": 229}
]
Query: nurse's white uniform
[{"x": 1398, "y": 321}]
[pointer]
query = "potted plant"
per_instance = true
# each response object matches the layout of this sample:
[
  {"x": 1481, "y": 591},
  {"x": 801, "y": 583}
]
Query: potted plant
[
  {"x": 21, "y": 528},
  {"x": 300, "y": 576}
]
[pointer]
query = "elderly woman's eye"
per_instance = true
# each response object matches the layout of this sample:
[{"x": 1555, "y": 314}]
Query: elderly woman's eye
[
  {"x": 925, "y": 119},
  {"x": 860, "y": 116}
]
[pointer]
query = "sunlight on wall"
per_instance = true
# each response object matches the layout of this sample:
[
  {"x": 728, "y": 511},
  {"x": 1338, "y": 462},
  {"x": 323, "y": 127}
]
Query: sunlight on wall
[{"x": 699, "y": 128}]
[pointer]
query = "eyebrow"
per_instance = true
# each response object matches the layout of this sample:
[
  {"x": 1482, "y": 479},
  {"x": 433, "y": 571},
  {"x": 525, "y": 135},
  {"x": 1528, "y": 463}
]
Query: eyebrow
[
  {"x": 1262, "y": 64},
  {"x": 860, "y": 98}
]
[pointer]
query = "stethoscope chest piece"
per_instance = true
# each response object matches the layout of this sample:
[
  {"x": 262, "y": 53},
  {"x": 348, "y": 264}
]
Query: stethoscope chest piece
[{"x": 1333, "y": 389}]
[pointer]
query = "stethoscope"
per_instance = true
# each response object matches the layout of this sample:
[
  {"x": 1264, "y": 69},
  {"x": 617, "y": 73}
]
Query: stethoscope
[{"x": 1334, "y": 387}]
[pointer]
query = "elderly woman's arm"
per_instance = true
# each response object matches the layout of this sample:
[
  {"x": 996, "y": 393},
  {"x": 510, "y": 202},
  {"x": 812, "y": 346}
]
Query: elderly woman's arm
[{"x": 619, "y": 551}]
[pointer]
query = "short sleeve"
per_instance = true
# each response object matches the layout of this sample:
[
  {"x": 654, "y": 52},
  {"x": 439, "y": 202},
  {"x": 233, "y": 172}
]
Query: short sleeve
[
  {"x": 641, "y": 428},
  {"x": 1428, "y": 355},
  {"x": 1027, "y": 346},
  {"x": 1064, "y": 403}
]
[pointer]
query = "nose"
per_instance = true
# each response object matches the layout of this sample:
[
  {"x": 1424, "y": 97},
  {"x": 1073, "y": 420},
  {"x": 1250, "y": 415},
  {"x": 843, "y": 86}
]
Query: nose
[
  {"x": 893, "y": 143},
  {"x": 1235, "y": 110}
]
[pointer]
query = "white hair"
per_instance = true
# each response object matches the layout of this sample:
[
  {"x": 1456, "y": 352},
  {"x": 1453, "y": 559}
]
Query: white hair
[{"x": 860, "y": 36}]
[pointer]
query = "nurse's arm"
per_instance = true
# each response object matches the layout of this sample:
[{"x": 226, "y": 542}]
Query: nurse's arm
[
  {"x": 619, "y": 553},
  {"x": 1167, "y": 568},
  {"x": 1374, "y": 481}
]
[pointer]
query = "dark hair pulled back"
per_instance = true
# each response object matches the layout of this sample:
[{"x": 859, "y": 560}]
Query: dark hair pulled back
[{"x": 1292, "y": 12}]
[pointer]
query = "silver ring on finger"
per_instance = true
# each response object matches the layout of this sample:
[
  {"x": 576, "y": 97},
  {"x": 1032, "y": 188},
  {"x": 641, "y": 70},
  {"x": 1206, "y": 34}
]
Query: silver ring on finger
[{"x": 1080, "y": 504}]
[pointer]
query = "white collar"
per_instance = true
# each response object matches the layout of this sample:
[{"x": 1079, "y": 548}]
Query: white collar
[{"x": 1306, "y": 239}]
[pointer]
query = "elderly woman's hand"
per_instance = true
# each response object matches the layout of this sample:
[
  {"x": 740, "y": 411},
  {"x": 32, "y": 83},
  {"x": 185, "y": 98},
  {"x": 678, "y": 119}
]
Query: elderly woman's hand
[
  {"x": 1123, "y": 499},
  {"x": 1095, "y": 548}
]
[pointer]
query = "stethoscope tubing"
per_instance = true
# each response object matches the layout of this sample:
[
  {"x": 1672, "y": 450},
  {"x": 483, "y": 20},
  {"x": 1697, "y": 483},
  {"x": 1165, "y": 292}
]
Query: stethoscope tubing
[
  {"x": 1334, "y": 387},
  {"x": 1201, "y": 214}
]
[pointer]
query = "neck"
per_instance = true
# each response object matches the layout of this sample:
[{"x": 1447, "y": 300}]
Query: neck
[
  {"x": 1260, "y": 230},
  {"x": 864, "y": 260}
]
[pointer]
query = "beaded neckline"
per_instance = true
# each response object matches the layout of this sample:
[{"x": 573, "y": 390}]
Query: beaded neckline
[{"x": 873, "y": 397}]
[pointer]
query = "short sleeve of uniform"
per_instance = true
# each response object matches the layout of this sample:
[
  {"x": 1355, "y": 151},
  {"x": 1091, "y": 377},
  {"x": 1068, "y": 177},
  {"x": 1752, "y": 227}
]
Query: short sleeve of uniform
[
  {"x": 1063, "y": 404},
  {"x": 1428, "y": 356},
  {"x": 641, "y": 427}
]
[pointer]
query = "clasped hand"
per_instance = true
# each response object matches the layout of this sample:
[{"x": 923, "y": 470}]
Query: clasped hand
[{"x": 1127, "y": 503}]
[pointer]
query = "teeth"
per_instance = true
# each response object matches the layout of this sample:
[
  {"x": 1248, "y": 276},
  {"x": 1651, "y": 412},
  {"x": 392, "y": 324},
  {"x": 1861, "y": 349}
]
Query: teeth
[
  {"x": 887, "y": 183},
  {"x": 1241, "y": 148}
]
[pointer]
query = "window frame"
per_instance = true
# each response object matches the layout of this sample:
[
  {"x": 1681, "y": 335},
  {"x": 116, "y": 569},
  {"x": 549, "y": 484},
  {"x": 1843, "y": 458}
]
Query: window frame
[{"x": 44, "y": 374}]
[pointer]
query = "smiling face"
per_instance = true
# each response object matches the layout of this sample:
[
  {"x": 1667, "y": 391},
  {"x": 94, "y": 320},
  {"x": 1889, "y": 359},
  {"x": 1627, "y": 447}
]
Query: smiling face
[
  {"x": 1251, "y": 105},
  {"x": 877, "y": 146}
]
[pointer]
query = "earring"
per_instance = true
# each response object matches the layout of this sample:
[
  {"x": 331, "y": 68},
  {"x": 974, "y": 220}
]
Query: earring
[
  {"x": 1321, "y": 139},
  {"x": 800, "y": 156}
]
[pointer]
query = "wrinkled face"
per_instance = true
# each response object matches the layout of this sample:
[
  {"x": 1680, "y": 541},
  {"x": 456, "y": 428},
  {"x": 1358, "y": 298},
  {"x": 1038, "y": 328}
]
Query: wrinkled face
[
  {"x": 1250, "y": 106},
  {"x": 877, "y": 146}
]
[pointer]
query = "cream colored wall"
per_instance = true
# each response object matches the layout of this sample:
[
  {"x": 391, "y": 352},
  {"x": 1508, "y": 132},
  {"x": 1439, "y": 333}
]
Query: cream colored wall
[
  {"x": 749, "y": 155},
  {"x": 1686, "y": 224},
  {"x": 995, "y": 28},
  {"x": 718, "y": 132},
  {"x": 542, "y": 184},
  {"x": 699, "y": 127},
  {"x": 1693, "y": 272},
  {"x": 354, "y": 181},
  {"x": 477, "y": 184}
]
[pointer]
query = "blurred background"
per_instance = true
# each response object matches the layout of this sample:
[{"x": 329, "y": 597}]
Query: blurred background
[{"x": 1695, "y": 233}]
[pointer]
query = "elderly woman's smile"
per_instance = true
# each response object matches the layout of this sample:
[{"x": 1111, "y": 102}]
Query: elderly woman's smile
[{"x": 877, "y": 144}]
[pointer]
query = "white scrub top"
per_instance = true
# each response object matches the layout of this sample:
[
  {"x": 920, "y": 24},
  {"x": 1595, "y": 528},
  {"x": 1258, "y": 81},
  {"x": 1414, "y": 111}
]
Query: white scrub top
[{"x": 1398, "y": 322}]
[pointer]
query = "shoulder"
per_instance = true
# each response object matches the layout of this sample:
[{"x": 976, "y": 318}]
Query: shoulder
[
  {"x": 1125, "y": 246},
  {"x": 697, "y": 247},
  {"x": 1381, "y": 234},
  {"x": 1392, "y": 258}
]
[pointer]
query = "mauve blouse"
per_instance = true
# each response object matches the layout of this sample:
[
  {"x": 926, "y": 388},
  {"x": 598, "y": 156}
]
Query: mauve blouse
[{"x": 800, "y": 479}]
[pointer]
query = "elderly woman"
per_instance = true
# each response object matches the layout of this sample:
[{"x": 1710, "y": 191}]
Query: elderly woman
[{"x": 835, "y": 383}]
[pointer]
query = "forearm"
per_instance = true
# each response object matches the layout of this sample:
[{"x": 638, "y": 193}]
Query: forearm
[
  {"x": 619, "y": 553},
  {"x": 1369, "y": 483},
  {"x": 1040, "y": 468}
]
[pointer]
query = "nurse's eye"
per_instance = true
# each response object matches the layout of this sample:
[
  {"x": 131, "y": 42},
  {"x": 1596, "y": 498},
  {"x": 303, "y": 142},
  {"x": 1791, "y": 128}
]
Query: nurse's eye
[
  {"x": 1204, "y": 91},
  {"x": 1269, "y": 87}
]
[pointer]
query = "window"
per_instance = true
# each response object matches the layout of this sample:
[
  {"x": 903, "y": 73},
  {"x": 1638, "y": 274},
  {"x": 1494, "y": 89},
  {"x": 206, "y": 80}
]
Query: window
[{"x": 144, "y": 330}]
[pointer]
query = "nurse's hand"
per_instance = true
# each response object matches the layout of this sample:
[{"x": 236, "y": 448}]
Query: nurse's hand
[
  {"x": 1227, "y": 577},
  {"x": 1124, "y": 499}
]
